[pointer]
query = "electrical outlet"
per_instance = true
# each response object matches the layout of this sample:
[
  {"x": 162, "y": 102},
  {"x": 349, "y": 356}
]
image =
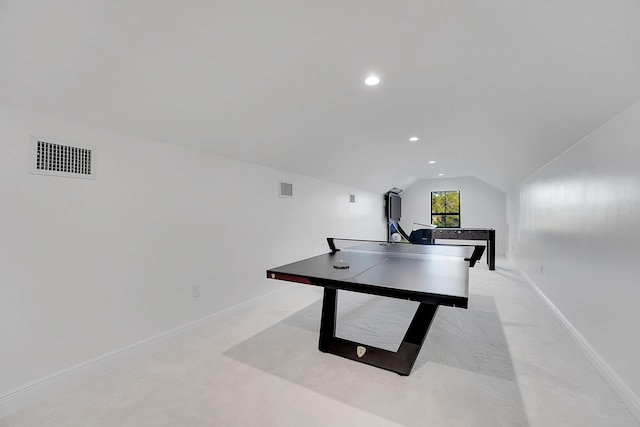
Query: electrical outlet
[{"x": 196, "y": 291}]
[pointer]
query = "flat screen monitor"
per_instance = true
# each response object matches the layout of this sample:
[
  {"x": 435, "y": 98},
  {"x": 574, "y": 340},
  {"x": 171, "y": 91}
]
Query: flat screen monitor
[{"x": 394, "y": 206}]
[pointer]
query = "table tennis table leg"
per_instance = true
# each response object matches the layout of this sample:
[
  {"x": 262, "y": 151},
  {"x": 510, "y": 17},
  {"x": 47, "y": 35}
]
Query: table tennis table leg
[
  {"x": 400, "y": 362},
  {"x": 328, "y": 318},
  {"x": 416, "y": 334},
  {"x": 491, "y": 250}
]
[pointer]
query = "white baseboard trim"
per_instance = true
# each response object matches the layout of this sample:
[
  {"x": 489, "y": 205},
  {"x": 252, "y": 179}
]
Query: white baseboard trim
[
  {"x": 42, "y": 388},
  {"x": 628, "y": 397}
]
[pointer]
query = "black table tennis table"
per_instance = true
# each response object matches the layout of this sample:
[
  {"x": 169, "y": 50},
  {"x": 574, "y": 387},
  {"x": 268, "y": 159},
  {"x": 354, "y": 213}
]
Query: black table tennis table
[{"x": 432, "y": 275}]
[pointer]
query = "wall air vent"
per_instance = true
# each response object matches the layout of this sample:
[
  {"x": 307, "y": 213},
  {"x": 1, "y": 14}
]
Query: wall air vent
[
  {"x": 49, "y": 157},
  {"x": 286, "y": 189}
]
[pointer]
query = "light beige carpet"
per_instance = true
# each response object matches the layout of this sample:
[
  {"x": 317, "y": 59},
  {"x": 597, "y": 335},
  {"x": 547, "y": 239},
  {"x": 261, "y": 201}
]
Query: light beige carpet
[{"x": 505, "y": 361}]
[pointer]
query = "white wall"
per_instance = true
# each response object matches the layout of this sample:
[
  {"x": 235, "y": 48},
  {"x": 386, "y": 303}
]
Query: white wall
[
  {"x": 89, "y": 267},
  {"x": 481, "y": 205},
  {"x": 578, "y": 240}
]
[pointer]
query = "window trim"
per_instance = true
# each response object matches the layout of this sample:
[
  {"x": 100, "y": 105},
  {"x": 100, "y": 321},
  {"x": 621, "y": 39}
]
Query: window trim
[{"x": 445, "y": 214}]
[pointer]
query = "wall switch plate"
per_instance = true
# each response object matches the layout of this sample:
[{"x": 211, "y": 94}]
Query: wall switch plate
[{"x": 196, "y": 291}]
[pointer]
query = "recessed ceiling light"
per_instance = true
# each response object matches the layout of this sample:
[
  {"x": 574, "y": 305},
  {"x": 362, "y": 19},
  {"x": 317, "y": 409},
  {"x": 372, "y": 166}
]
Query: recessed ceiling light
[
  {"x": 414, "y": 139},
  {"x": 431, "y": 162},
  {"x": 372, "y": 80},
  {"x": 440, "y": 174}
]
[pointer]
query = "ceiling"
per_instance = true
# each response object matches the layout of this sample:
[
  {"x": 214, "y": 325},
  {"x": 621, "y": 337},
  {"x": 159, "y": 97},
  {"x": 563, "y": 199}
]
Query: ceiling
[{"x": 494, "y": 89}]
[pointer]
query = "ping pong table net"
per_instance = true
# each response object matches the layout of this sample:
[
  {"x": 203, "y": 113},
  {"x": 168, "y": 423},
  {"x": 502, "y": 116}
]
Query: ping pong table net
[{"x": 337, "y": 244}]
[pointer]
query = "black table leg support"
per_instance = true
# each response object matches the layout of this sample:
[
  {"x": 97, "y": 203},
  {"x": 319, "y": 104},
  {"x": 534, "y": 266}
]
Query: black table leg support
[
  {"x": 328, "y": 318},
  {"x": 400, "y": 362},
  {"x": 491, "y": 250}
]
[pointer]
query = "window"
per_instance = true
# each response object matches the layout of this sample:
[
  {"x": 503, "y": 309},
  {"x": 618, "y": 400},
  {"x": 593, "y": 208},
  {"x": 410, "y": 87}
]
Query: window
[{"x": 445, "y": 209}]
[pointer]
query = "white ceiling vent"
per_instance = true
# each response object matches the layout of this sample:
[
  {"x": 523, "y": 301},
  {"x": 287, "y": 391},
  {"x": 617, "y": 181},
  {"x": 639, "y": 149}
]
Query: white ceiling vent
[
  {"x": 286, "y": 189},
  {"x": 49, "y": 157}
]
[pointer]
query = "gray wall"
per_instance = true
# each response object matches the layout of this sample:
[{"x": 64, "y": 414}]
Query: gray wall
[
  {"x": 90, "y": 267},
  {"x": 481, "y": 205},
  {"x": 576, "y": 235}
]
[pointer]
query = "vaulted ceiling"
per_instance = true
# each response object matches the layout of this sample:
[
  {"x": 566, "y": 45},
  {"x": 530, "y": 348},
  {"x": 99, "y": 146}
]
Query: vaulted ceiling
[{"x": 494, "y": 88}]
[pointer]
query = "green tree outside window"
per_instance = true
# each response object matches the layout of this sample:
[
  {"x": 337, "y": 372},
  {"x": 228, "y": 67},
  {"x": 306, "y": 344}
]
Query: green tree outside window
[{"x": 445, "y": 209}]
